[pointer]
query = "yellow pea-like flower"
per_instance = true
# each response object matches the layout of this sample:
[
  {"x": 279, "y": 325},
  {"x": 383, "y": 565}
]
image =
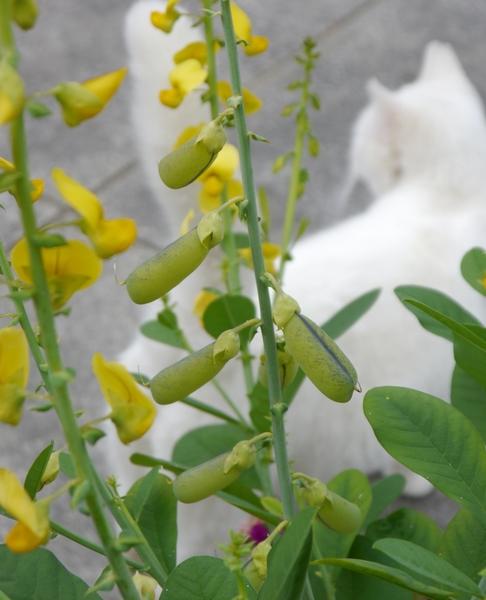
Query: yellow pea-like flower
[
  {"x": 192, "y": 372},
  {"x": 11, "y": 93},
  {"x": 242, "y": 26},
  {"x": 14, "y": 374},
  {"x": 336, "y": 512},
  {"x": 37, "y": 184},
  {"x": 188, "y": 161},
  {"x": 321, "y": 359},
  {"x": 205, "y": 480}
]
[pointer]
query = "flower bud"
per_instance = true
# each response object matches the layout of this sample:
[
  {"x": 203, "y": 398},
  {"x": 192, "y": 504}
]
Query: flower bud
[
  {"x": 51, "y": 471},
  {"x": 24, "y": 13},
  {"x": 287, "y": 368},
  {"x": 189, "y": 374},
  {"x": 205, "y": 480},
  {"x": 11, "y": 93},
  {"x": 189, "y": 160}
]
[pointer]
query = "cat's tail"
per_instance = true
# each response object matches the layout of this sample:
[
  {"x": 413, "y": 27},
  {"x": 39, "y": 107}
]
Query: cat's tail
[{"x": 157, "y": 127}]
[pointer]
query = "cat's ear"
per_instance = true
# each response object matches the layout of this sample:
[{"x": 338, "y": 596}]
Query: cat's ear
[
  {"x": 440, "y": 64},
  {"x": 379, "y": 94}
]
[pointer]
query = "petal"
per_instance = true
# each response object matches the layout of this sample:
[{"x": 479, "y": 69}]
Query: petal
[
  {"x": 77, "y": 102},
  {"x": 38, "y": 185},
  {"x": 16, "y": 501},
  {"x": 241, "y": 22},
  {"x": 22, "y": 539},
  {"x": 11, "y": 93},
  {"x": 12, "y": 399},
  {"x": 21, "y": 261},
  {"x": 213, "y": 186},
  {"x": 225, "y": 164},
  {"x": 188, "y": 133},
  {"x": 257, "y": 45},
  {"x": 105, "y": 86},
  {"x": 270, "y": 250},
  {"x": 113, "y": 236},
  {"x": 251, "y": 102},
  {"x": 197, "y": 50},
  {"x": 187, "y": 75},
  {"x": 171, "y": 98},
  {"x": 132, "y": 421},
  {"x": 206, "y": 202},
  {"x": 14, "y": 357},
  {"x": 78, "y": 197}
]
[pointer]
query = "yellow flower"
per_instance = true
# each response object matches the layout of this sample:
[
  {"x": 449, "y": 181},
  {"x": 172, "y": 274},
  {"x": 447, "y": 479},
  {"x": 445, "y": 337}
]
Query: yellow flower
[
  {"x": 133, "y": 413},
  {"x": 82, "y": 101},
  {"x": 251, "y": 102},
  {"x": 14, "y": 374},
  {"x": 145, "y": 586},
  {"x": 165, "y": 21},
  {"x": 270, "y": 253},
  {"x": 11, "y": 93},
  {"x": 184, "y": 78},
  {"x": 186, "y": 221},
  {"x": 68, "y": 268},
  {"x": 201, "y": 302},
  {"x": 32, "y": 529},
  {"x": 208, "y": 202},
  {"x": 242, "y": 25},
  {"x": 37, "y": 184},
  {"x": 214, "y": 178},
  {"x": 108, "y": 237},
  {"x": 188, "y": 133}
]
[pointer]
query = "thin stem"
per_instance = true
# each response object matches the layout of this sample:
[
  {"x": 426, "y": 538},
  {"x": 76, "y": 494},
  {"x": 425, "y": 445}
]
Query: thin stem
[
  {"x": 277, "y": 408},
  {"x": 75, "y": 537}
]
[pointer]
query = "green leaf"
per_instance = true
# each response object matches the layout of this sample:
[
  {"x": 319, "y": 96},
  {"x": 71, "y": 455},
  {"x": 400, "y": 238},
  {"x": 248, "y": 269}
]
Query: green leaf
[
  {"x": 143, "y": 492},
  {"x": 433, "y": 439},
  {"x": 202, "y": 578},
  {"x": 428, "y": 566},
  {"x": 390, "y": 574},
  {"x": 260, "y": 407},
  {"x": 356, "y": 586},
  {"x": 48, "y": 240},
  {"x": 204, "y": 443},
  {"x": 34, "y": 476},
  {"x": 66, "y": 465},
  {"x": 464, "y": 544},
  {"x": 355, "y": 487},
  {"x": 334, "y": 327},
  {"x": 470, "y": 398},
  {"x": 407, "y": 524},
  {"x": 438, "y": 301},
  {"x": 157, "y": 518},
  {"x": 252, "y": 508},
  {"x": 257, "y": 137},
  {"x": 93, "y": 434},
  {"x": 80, "y": 492},
  {"x": 144, "y": 460},
  {"x": 37, "y": 109},
  {"x": 289, "y": 559},
  {"x": 154, "y": 330},
  {"x": 39, "y": 575},
  {"x": 227, "y": 312},
  {"x": 168, "y": 318},
  {"x": 265, "y": 213},
  {"x": 473, "y": 269},
  {"x": 470, "y": 356},
  {"x": 385, "y": 491}
]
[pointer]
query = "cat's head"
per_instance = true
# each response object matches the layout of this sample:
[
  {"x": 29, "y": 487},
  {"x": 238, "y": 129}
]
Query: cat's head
[{"x": 433, "y": 128}]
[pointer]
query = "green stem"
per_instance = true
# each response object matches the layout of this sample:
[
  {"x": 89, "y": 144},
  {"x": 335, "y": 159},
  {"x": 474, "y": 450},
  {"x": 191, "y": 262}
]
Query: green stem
[
  {"x": 144, "y": 551},
  {"x": 4, "y": 596},
  {"x": 293, "y": 195},
  {"x": 74, "y": 537},
  {"x": 277, "y": 408},
  {"x": 324, "y": 573},
  {"x": 56, "y": 378}
]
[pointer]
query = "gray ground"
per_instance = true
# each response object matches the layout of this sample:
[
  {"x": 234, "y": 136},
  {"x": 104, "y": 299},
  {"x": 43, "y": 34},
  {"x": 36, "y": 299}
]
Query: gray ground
[{"x": 77, "y": 40}]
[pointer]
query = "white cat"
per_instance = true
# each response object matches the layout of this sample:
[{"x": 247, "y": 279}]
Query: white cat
[{"x": 422, "y": 151}]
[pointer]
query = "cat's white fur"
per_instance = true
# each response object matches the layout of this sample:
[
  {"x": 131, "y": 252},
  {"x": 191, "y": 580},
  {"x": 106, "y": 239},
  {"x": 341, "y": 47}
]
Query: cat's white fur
[{"x": 422, "y": 151}]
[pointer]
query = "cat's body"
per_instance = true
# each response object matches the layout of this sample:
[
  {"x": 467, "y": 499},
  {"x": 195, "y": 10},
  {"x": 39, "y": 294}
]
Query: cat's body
[{"x": 422, "y": 150}]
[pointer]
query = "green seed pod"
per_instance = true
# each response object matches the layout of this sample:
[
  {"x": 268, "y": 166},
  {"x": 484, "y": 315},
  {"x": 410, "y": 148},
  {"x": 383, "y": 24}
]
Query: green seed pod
[
  {"x": 287, "y": 368},
  {"x": 205, "y": 480},
  {"x": 189, "y": 374},
  {"x": 158, "y": 275},
  {"x": 336, "y": 512},
  {"x": 189, "y": 160},
  {"x": 339, "y": 514},
  {"x": 251, "y": 573},
  {"x": 320, "y": 358}
]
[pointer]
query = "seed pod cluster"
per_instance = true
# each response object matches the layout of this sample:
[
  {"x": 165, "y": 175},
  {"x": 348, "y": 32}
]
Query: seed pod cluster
[
  {"x": 321, "y": 359},
  {"x": 158, "y": 275},
  {"x": 205, "y": 480},
  {"x": 336, "y": 512},
  {"x": 189, "y": 160},
  {"x": 192, "y": 372}
]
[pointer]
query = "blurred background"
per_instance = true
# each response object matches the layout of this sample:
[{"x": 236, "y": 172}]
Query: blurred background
[{"x": 74, "y": 41}]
